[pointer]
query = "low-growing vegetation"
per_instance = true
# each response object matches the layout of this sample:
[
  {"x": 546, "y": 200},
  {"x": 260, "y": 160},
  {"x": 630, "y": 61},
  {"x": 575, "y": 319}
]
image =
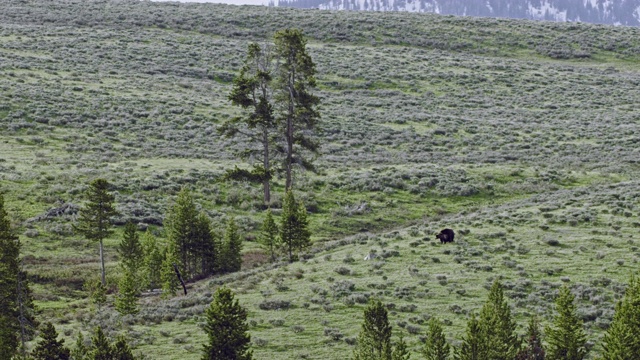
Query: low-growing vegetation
[{"x": 426, "y": 122}]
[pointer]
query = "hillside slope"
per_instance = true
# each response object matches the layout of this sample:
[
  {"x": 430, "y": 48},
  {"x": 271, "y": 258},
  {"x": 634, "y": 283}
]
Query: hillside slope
[{"x": 522, "y": 133}]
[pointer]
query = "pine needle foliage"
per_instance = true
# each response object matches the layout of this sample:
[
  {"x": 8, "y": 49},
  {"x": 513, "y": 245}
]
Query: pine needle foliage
[
  {"x": 374, "y": 340},
  {"x": 566, "y": 336},
  {"x": 473, "y": 346},
  {"x": 101, "y": 349},
  {"x": 231, "y": 256},
  {"x": 226, "y": 328},
  {"x": 533, "y": 350},
  {"x": 436, "y": 347},
  {"x": 127, "y": 299},
  {"x": 130, "y": 249},
  {"x": 498, "y": 328},
  {"x": 295, "y": 104},
  {"x": 269, "y": 238},
  {"x": 294, "y": 228},
  {"x": 152, "y": 262},
  {"x": 16, "y": 303},
  {"x": 94, "y": 222},
  {"x": 49, "y": 348},
  {"x": 621, "y": 340}
]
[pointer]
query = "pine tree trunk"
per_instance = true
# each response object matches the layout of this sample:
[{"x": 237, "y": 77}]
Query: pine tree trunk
[
  {"x": 290, "y": 129},
  {"x": 265, "y": 182},
  {"x": 104, "y": 281}
]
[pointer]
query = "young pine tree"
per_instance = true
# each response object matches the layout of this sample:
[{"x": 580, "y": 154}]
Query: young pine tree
[
  {"x": 621, "y": 340},
  {"x": 127, "y": 299},
  {"x": 498, "y": 329},
  {"x": 101, "y": 349},
  {"x": 121, "y": 349},
  {"x": 95, "y": 218},
  {"x": 168, "y": 276},
  {"x": 231, "y": 256},
  {"x": 16, "y": 305},
  {"x": 374, "y": 340},
  {"x": 269, "y": 236},
  {"x": 205, "y": 249},
  {"x": 294, "y": 232},
  {"x": 533, "y": 349},
  {"x": 473, "y": 346},
  {"x": 226, "y": 328},
  {"x": 152, "y": 263},
  {"x": 130, "y": 250},
  {"x": 98, "y": 293},
  {"x": 180, "y": 227},
  {"x": 436, "y": 347},
  {"x": 400, "y": 350},
  {"x": 566, "y": 337},
  {"x": 49, "y": 348},
  {"x": 80, "y": 351}
]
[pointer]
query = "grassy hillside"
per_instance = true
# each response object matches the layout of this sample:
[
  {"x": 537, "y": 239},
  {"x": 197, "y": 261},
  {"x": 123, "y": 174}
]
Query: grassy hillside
[{"x": 522, "y": 136}]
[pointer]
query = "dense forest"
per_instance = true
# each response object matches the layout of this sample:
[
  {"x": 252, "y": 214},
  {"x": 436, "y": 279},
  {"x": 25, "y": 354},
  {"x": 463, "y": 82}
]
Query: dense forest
[{"x": 163, "y": 165}]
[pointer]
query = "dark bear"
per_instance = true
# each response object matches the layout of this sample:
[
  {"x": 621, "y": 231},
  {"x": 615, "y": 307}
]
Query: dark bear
[{"x": 445, "y": 236}]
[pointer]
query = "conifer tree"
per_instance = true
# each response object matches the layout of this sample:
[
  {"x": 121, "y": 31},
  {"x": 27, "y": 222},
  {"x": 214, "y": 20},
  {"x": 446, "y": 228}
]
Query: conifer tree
[
  {"x": 296, "y": 104},
  {"x": 130, "y": 249},
  {"x": 49, "y": 348},
  {"x": 226, "y": 328},
  {"x": 534, "y": 349},
  {"x": 153, "y": 258},
  {"x": 294, "y": 231},
  {"x": 621, "y": 340},
  {"x": 269, "y": 235},
  {"x": 436, "y": 347},
  {"x": 205, "y": 250},
  {"x": 231, "y": 256},
  {"x": 498, "y": 329},
  {"x": 16, "y": 305},
  {"x": 98, "y": 293},
  {"x": 101, "y": 349},
  {"x": 80, "y": 351},
  {"x": 121, "y": 349},
  {"x": 168, "y": 276},
  {"x": 252, "y": 90},
  {"x": 473, "y": 346},
  {"x": 374, "y": 340},
  {"x": 400, "y": 350},
  {"x": 180, "y": 227},
  {"x": 95, "y": 218},
  {"x": 566, "y": 337},
  {"x": 127, "y": 300}
]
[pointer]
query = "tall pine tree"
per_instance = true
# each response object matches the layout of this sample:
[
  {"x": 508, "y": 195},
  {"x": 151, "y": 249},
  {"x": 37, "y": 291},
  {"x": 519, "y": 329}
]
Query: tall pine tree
[
  {"x": 16, "y": 304},
  {"x": 226, "y": 328},
  {"x": 374, "y": 340},
  {"x": 252, "y": 90},
  {"x": 621, "y": 340},
  {"x": 296, "y": 105},
  {"x": 95, "y": 217},
  {"x": 566, "y": 337}
]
